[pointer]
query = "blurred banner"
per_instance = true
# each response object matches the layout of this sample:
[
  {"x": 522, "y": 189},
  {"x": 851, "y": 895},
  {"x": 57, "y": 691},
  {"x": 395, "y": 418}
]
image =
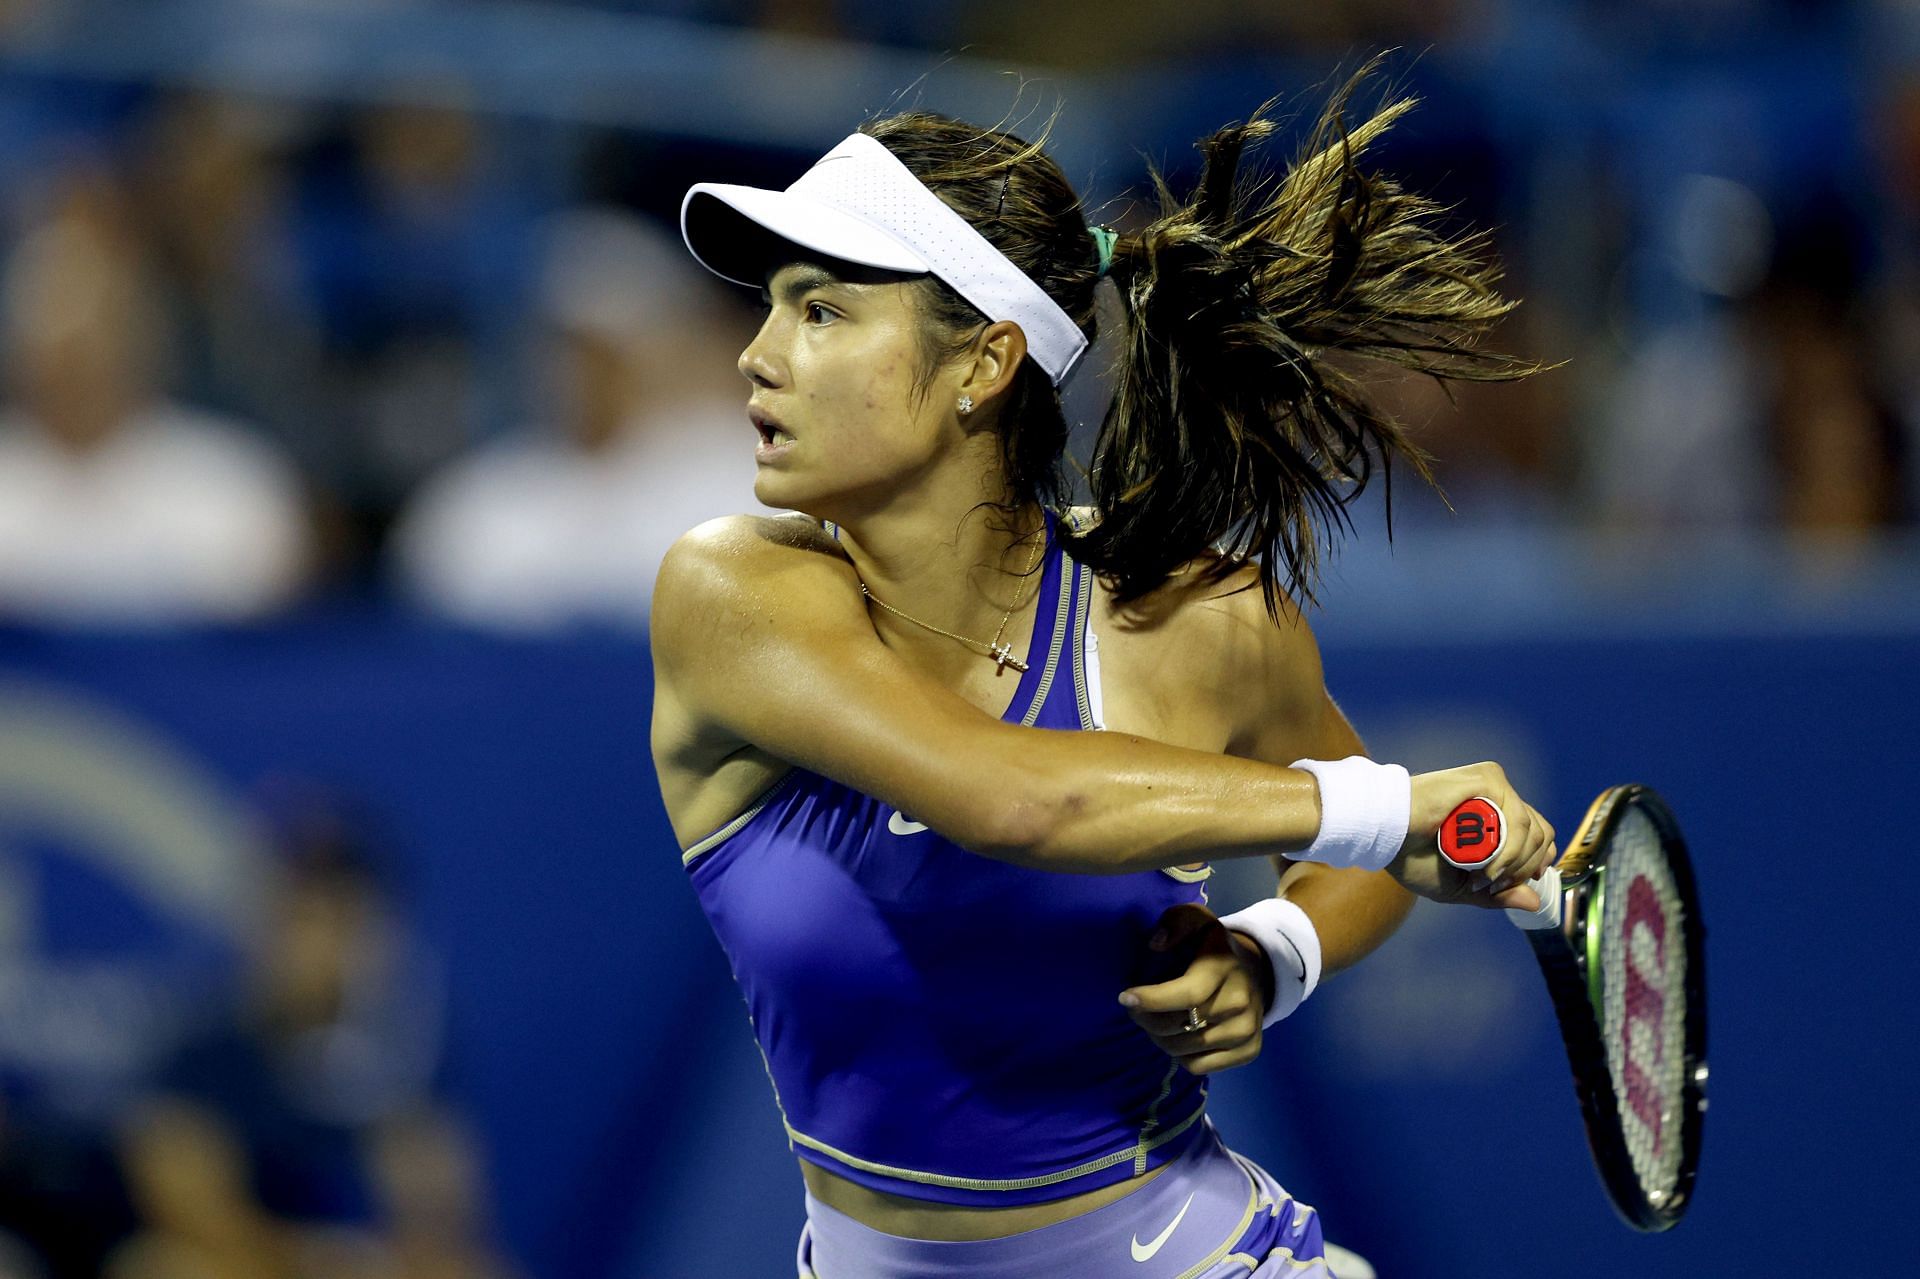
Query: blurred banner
[{"x": 595, "y": 1042}]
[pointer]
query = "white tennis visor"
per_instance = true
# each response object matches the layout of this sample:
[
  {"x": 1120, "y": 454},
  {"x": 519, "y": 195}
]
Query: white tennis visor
[{"x": 859, "y": 204}]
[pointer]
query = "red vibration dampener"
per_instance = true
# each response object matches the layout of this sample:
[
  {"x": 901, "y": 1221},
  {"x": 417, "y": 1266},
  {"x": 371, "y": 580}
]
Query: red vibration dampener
[{"x": 1473, "y": 834}]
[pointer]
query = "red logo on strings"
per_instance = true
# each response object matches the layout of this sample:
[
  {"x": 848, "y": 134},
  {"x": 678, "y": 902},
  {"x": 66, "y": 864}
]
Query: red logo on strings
[{"x": 1644, "y": 1020}]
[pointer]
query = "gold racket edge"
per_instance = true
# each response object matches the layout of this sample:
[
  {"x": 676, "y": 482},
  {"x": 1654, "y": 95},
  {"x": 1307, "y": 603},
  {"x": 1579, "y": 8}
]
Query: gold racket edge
[{"x": 1576, "y": 860}]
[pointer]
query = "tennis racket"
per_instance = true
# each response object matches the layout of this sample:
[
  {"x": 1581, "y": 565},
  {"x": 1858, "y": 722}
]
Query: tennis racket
[{"x": 1620, "y": 941}]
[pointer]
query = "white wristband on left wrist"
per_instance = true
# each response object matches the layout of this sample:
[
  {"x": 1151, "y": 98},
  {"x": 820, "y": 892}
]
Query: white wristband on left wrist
[{"x": 1292, "y": 947}]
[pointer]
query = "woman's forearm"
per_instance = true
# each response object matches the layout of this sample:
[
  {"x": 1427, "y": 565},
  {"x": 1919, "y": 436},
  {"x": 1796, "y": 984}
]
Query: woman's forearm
[{"x": 1110, "y": 803}]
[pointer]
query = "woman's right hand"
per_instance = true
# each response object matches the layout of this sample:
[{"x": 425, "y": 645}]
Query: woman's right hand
[{"x": 1529, "y": 847}]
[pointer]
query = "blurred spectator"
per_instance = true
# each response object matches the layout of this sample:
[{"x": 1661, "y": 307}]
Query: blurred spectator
[
  {"x": 1894, "y": 292},
  {"x": 1682, "y": 447},
  {"x": 430, "y": 1183},
  {"x": 1838, "y": 455},
  {"x": 418, "y": 248},
  {"x": 116, "y": 505},
  {"x": 63, "y": 1206},
  {"x": 1081, "y": 33},
  {"x": 299, "y": 1139},
  {"x": 1763, "y": 409},
  {"x": 214, "y": 184},
  {"x": 648, "y": 438}
]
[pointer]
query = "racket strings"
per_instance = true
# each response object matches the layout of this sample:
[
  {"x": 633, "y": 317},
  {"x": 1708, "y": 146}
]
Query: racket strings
[{"x": 1643, "y": 962}]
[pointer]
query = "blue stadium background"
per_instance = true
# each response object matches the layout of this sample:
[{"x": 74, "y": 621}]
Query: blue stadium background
[
  {"x": 1422, "y": 1102},
  {"x": 1765, "y": 682}
]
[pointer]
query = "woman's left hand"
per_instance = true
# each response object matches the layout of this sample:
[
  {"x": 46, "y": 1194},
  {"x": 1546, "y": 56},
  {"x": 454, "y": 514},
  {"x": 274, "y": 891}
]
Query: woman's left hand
[{"x": 1222, "y": 982}]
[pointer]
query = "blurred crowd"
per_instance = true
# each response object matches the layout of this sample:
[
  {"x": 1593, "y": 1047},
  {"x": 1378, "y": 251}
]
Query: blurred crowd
[
  {"x": 253, "y": 355},
  {"x": 290, "y": 1126},
  {"x": 259, "y": 352}
]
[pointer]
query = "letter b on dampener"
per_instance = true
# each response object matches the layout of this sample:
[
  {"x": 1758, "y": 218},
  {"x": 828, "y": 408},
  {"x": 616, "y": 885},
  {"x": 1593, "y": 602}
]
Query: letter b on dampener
[{"x": 1477, "y": 825}]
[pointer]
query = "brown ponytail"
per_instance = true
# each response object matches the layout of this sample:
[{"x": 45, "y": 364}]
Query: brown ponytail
[{"x": 1235, "y": 425}]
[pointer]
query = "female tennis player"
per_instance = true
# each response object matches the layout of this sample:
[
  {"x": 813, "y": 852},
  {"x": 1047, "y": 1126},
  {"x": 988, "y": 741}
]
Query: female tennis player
[{"x": 941, "y": 912}]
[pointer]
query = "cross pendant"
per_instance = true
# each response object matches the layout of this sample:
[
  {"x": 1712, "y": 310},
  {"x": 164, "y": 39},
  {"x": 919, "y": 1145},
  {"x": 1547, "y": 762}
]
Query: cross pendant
[{"x": 1003, "y": 654}]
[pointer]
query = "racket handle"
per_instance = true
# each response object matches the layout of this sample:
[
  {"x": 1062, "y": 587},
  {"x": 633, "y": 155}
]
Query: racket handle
[{"x": 1548, "y": 916}]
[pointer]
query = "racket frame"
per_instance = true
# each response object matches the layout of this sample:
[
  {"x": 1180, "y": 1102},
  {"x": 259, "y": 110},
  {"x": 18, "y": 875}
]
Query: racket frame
[{"x": 1569, "y": 958}]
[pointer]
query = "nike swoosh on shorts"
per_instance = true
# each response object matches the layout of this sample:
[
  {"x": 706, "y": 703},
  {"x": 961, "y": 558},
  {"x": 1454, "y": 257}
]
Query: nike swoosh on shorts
[
  {"x": 901, "y": 824},
  {"x": 1146, "y": 1253}
]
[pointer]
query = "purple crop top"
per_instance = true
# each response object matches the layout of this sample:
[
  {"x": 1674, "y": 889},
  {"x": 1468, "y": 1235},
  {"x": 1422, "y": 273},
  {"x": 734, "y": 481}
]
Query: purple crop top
[{"x": 938, "y": 1025}]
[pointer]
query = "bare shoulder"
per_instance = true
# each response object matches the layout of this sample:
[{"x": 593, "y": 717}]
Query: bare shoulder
[
  {"x": 1226, "y": 612},
  {"x": 1218, "y": 605},
  {"x": 1214, "y": 639},
  {"x": 719, "y": 566},
  {"x": 724, "y": 589},
  {"x": 743, "y": 543}
]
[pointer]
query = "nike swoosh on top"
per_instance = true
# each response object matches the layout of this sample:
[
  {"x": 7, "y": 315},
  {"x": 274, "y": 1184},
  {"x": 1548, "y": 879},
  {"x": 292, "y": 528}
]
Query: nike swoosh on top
[
  {"x": 901, "y": 824},
  {"x": 1146, "y": 1253}
]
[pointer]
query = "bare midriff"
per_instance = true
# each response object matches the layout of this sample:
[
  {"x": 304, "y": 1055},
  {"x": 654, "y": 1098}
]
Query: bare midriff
[{"x": 919, "y": 1219}]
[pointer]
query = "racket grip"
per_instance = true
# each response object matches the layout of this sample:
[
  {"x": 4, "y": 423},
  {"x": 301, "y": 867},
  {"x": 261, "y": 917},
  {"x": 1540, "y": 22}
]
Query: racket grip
[{"x": 1548, "y": 916}]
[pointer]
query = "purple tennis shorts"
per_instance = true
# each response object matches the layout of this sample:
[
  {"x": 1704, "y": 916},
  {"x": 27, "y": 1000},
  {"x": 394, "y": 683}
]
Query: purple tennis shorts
[{"x": 1210, "y": 1215}]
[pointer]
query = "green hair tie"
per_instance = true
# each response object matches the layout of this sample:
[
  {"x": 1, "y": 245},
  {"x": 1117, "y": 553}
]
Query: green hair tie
[{"x": 1103, "y": 239}]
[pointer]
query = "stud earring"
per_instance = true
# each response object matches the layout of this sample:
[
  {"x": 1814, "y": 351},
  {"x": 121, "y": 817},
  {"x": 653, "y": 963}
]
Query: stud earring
[{"x": 966, "y": 405}]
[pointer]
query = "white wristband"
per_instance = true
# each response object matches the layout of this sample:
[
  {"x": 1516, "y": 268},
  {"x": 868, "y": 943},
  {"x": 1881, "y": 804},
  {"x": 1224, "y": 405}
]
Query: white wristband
[
  {"x": 1364, "y": 812},
  {"x": 1287, "y": 937}
]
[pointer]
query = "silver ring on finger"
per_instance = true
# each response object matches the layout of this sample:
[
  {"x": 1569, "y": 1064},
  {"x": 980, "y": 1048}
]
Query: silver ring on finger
[{"x": 1194, "y": 1020}]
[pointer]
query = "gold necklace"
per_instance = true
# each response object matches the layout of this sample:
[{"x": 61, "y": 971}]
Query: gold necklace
[{"x": 1000, "y": 653}]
